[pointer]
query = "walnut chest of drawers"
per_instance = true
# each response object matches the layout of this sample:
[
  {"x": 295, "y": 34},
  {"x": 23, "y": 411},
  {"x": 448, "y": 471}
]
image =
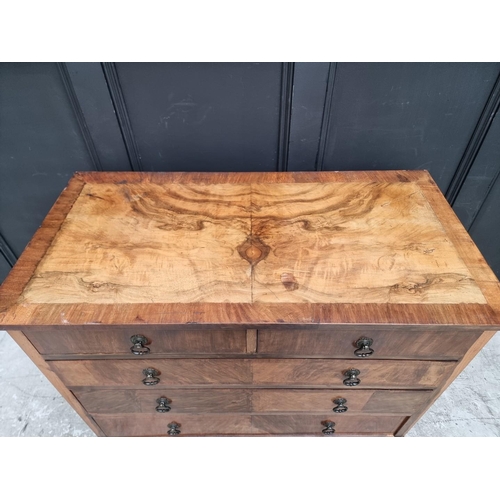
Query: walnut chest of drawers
[{"x": 328, "y": 303}]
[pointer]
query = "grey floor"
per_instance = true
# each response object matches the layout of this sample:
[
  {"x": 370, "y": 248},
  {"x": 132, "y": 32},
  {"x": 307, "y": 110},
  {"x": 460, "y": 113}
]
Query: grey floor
[{"x": 30, "y": 406}]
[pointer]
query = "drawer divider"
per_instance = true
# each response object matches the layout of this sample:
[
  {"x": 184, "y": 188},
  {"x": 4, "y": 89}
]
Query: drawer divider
[{"x": 251, "y": 341}]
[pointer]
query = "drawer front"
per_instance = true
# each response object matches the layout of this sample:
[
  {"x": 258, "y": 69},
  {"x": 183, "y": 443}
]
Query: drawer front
[
  {"x": 386, "y": 344},
  {"x": 220, "y": 425},
  {"x": 189, "y": 425},
  {"x": 314, "y": 424},
  {"x": 332, "y": 373},
  {"x": 171, "y": 372},
  {"x": 116, "y": 401},
  {"x": 105, "y": 342},
  {"x": 320, "y": 400},
  {"x": 257, "y": 372}
]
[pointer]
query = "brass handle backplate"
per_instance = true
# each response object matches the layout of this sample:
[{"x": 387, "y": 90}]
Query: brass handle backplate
[
  {"x": 163, "y": 405},
  {"x": 341, "y": 407},
  {"x": 139, "y": 348},
  {"x": 329, "y": 427},
  {"x": 173, "y": 429},
  {"x": 151, "y": 376},
  {"x": 352, "y": 377},
  {"x": 364, "y": 349}
]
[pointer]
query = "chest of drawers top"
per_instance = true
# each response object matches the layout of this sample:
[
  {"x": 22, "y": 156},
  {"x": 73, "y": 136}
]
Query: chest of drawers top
[{"x": 334, "y": 248}]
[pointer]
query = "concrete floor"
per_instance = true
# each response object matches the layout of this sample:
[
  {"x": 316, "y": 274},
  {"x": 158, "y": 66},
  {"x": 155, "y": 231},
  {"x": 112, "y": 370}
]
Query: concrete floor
[{"x": 30, "y": 406}]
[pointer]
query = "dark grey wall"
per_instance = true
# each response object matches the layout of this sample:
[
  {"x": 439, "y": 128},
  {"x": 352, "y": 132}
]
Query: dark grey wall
[
  {"x": 57, "y": 118},
  {"x": 4, "y": 266},
  {"x": 40, "y": 147},
  {"x": 218, "y": 117},
  {"x": 481, "y": 177},
  {"x": 486, "y": 228},
  {"x": 410, "y": 116}
]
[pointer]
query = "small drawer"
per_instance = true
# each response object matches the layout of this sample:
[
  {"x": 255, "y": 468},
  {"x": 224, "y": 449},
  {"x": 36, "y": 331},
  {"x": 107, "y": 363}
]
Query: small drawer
[
  {"x": 117, "y": 401},
  {"x": 150, "y": 342},
  {"x": 321, "y": 373},
  {"x": 446, "y": 345}
]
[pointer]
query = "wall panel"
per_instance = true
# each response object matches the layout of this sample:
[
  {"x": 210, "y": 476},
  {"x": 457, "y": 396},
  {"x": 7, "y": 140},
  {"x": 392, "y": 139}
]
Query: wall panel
[
  {"x": 406, "y": 115},
  {"x": 41, "y": 145},
  {"x": 204, "y": 116}
]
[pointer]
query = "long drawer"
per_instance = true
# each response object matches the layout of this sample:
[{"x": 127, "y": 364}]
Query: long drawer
[
  {"x": 154, "y": 341},
  {"x": 258, "y": 372},
  {"x": 386, "y": 344},
  {"x": 117, "y": 401},
  {"x": 220, "y": 425}
]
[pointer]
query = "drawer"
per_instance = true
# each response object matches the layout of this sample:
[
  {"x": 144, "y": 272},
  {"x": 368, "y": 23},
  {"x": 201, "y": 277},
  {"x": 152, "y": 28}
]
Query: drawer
[
  {"x": 386, "y": 344},
  {"x": 104, "y": 401},
  {"x": 332, "y": 373},
  {"x": 257, "y": 372},
  {"x": 179, "y": 341},
  {"x": 189, "y": 425},
  {"x": 172, "y": 372},
  {"x": 321, "y": 400},
  {"x": 220, "y": 425},
  {"x": 116, "y": 401},
  {"x": 314, "y": 424}
]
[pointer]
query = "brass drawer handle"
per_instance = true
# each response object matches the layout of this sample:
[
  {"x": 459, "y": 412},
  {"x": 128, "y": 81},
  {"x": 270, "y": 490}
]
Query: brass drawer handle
[
  {"x": 151, "y": 376},
  {"x": 139, "y": 348},
  {"x": 173, "y": 429},
  {"x": 329, "y": 427},
  {"x": 364, "y": 347},
  {"x": 352, "y": 377},
  {"x": 341, "y": 407},
  {"x": 163, "y": 405}
]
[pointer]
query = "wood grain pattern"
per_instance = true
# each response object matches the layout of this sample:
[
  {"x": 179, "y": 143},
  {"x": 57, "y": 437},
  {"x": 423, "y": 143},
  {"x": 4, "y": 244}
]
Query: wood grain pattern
[
  {"x": 251, "y": 341},
  {"x": 297, "y": 400},
  {"x": 407, "y": 402},
  {"x": 173, "y": 372},
  {"x": 115, "y": 401},
  {"x": 160, "y": 341},
  {"x": 252, "y": 372},
  {"x": 330, "y": 373},
  {"x": 424, "y": 271},
  {"x": 148, "y": 243},
  {"x": 190, "y": 425},
  {"x": 355, "y": 243},
  {"x": 402, "y": 344},
  {"x": 332, "y": 242},
  {"x": 220, "y": 425},
  {"x": 249, "y": 315},
  {"x": 463, "y": 243},
  {"x": 312, "y": 424}
]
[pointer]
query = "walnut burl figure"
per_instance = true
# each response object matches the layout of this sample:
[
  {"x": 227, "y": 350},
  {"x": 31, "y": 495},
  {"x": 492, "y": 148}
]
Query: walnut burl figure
[{"x": 191, "y": 304}]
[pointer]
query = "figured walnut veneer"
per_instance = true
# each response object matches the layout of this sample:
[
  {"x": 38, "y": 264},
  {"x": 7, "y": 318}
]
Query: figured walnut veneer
[{"x": 245, "y": 243}]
